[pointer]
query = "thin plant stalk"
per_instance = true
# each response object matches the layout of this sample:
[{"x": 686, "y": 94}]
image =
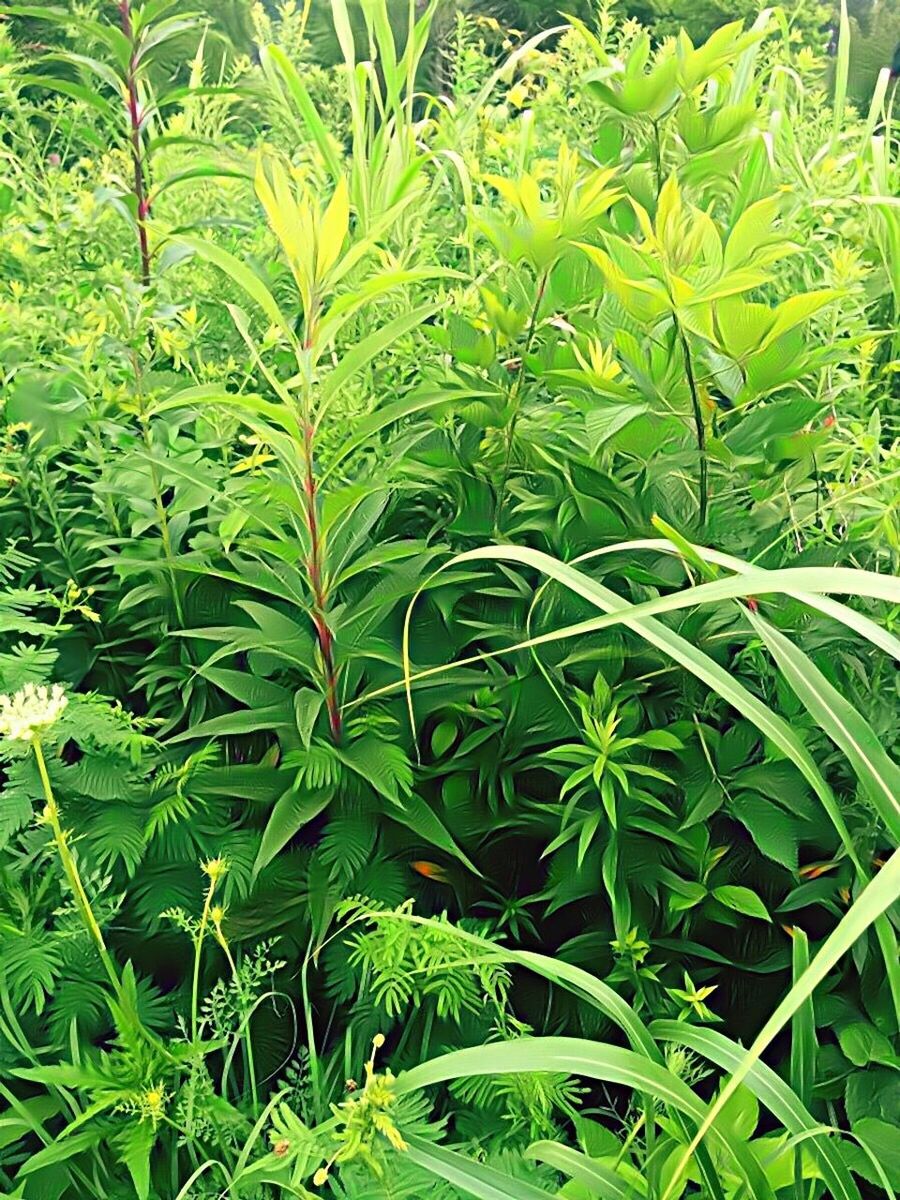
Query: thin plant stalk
[
  {"x": 156, "y": 483},
  {"x": 314, "y": 1067},
  {"x": 198, "y": 949},
  {"x": 214, "y": 870},
  {"x": 70, "y": 867},
  {"x": 514, "y": 399},
  {"x": 698, "y": 423},
  {"x": 315, "y": 568},
  {"x": 315, "y": 563},
  {"x": 657, "y": 158},
  {"x": 138, "y": 164},
  {"x": 246, "y": 1037}
]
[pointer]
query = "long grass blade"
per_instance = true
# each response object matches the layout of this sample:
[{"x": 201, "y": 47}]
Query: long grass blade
[
  {"x": 698, "y": 664},
  {"x": 474, "y": 1178},
  {"x": 592, "y": 1060},
  {"x": 882, "y": 892},
  {"x": 772, "y": 1091},
  {"x": 598, "y": 1178},
  {"x": 846, "y": 727}
]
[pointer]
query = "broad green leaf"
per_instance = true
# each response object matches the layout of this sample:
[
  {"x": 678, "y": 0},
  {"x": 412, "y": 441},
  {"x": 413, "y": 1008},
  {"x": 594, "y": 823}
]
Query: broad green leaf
[
  {"x": 804, "y": 1048},
  {"x": 134, "y": 1145},
  {"x": 382, "y": 764},
  {"x": 420, "y": 400},
  {"x": 418, "y": 816},
  {"x": 794, "y": 311},
  {"x": 76, "y": 91},
  {"x": 862, "y": 1043},
  {"x": 742, "y": 900},
  {"x": 369, "y": 348},
  {"x": 63, "y": 1148},
  {"x": 272, "y": 717},
  {"x": 881, "y": 1139},
  {"x": 773, "y": 830},
  {"x": 333, "y": 229},
  {"x": 752, "y": 229},
  {"x": 291, "y": 812},
  {"x": 242, "y": 275},
  {"x": 841, "y": 76},
  {"x": 274, "y": 63}
]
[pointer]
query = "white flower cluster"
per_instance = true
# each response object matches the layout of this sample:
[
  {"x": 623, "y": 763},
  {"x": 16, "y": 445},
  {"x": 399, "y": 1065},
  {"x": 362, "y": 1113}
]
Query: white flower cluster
[{"x": 30, "y": 710}]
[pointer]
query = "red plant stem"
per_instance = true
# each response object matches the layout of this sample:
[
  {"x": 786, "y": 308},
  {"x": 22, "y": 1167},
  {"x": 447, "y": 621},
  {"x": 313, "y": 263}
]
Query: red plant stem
[
  {"x": 317, "y": 585},
  {"x": 137, "y": 147}
]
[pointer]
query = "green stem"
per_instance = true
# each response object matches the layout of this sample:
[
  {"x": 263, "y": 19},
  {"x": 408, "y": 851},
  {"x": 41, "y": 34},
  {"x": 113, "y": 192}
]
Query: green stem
[
  {"x": 514, "y": 400},
  {"x": 315, "y": 568},
  {"x": 246, "y": 1039},
  {"x": 316, "y": 559},
  {"x": 198, "y": 947},
  {"x": 657, "y": 144},
  {"x": 314, "y": 1072},
  {"x": 70, "y": 867},
  {"x": 161, "y": 515},
  {"x": 698, "y": 423},
  {"x": 138, "y": 163},
  {"x": 195, "y": 997}
]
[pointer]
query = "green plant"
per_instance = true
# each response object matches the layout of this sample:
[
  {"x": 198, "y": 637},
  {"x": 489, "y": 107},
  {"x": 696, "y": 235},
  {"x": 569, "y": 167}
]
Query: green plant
[{"x": 472, "y": 524}]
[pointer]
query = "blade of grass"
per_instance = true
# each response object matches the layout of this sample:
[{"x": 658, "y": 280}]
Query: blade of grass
[
  {"x": 846, "y": 727},
  {"x": 872, "y": 903},
  {"x": 698, "y": 664},
  {"x": 842, "y": 73},
  {"x": 470, "y": 1176},
  {"x": 599, "y": 1179},
  {"x": 771, "y": 1090},
  {"x": 592, "y": 1060}
]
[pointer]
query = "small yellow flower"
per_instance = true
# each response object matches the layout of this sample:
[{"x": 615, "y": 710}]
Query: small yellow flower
[
  {"x": 320, "y": 1177},
  {"x": 152, "y": 1103}
]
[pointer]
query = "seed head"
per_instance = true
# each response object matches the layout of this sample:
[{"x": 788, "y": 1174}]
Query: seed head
[
  {"x": 32, "y": 709},
  {"x": 215, "y": 868}
]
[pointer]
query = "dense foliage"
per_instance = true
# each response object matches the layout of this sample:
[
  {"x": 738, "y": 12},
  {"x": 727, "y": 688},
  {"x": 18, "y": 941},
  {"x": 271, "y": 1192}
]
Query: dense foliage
[{"x": 449, "y": 547}]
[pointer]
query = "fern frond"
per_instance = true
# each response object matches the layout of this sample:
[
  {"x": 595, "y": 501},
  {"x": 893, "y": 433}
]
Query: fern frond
[{"x": 32, "y": 963}]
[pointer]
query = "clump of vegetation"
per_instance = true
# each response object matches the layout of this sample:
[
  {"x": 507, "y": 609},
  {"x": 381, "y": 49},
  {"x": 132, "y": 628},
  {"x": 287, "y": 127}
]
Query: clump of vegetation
[{"x": 448, "y": 546}]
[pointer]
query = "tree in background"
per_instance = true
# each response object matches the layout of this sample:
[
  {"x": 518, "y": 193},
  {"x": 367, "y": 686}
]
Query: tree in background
[{"x": 875, "y": 26}]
